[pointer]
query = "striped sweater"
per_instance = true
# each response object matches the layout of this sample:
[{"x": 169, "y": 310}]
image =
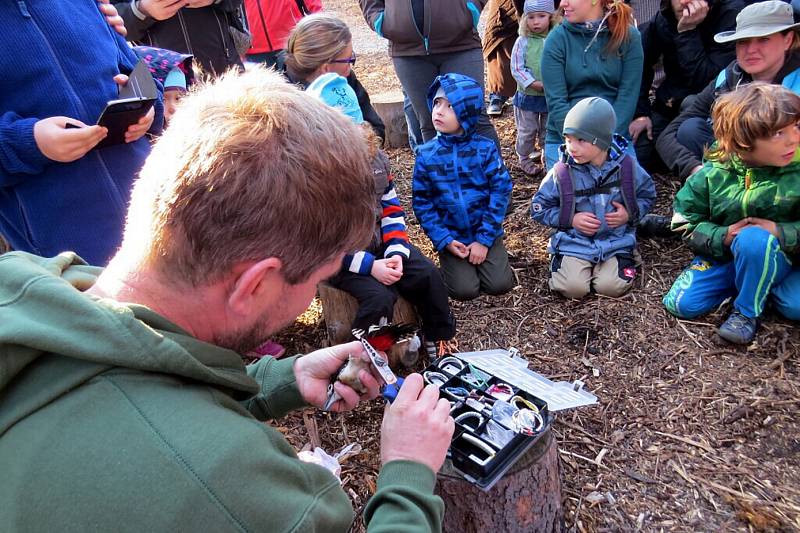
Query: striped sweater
[{"x": 390, "y": 235}]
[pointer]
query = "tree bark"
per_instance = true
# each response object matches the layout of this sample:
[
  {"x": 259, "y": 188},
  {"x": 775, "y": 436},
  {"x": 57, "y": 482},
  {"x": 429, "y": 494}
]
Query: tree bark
[
  {"x": 389, "y": 107},
  {"x": 339, "y": 310},
  {"x": 527, "y": 499}
]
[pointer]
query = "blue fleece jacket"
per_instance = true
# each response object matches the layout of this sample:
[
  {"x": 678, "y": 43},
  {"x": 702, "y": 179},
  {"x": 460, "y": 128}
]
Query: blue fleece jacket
[
  {"x": 461, "y": 186},
  {"x": 59, "y": 59},
  {"x": 606, "y": 242},
  {"x": 575, "y": 66}
]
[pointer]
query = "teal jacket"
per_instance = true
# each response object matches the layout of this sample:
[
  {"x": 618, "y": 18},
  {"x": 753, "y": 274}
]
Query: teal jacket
[
  {"x": 721, "y": 194},
  {"x": 114, "y": 419},
  {"x": 575, "y": 66}
]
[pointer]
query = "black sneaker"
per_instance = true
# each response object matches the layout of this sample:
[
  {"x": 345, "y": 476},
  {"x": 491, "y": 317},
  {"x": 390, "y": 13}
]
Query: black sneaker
[
  {"x": 495, "y": 107},
  {"x": 652, "y": 225}
]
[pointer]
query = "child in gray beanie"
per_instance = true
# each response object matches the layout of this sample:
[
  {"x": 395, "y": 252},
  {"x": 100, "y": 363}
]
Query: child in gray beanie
[
  {"x": 530, "y": 107},
  {"x": 593, "y": 196}
]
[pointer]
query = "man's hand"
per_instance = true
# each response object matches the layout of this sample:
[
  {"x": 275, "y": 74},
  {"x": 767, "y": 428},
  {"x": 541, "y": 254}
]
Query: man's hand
[
  {"x": 458, "y": 249},
  {"x": 161, "y": 9},
  {"x": 585, "y": 223},
  {"x": 109, "y": 11},
  {"x": 315, "y": 371},
  {"x": 66, "y": 145},
  {"x": 477, "y": 253},
  {"x": 386, "y": 270},
  {"x": 763, "y": 223},
  {"x": 693, "y": 14},
  {"x": 733, "y": 231},
  {"x": 136, "y": 131},
  {"x": 417, "y": 426},
  {"x": 637, "y": 126},
  {"x": 618, "y": 217}
]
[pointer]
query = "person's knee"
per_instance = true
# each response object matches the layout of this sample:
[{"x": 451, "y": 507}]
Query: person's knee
[
  {"x": 680, "y": 305},
  {"x": 379, "y": 301},
  {"x": 499, "y": 285},
  {"x": 612, "y": 287},
  {"x": 751, "y": 241},
  {"x": 571, "y": 288},
  {"x": 463, "y": 293}
]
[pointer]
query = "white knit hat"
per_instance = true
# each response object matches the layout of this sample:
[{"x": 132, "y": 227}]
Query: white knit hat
[{"x": 538, "y": 6}]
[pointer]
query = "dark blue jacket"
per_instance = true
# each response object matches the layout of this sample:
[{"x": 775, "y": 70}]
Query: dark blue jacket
[
  {"x": 59, "y": 59},
  {"x": 461, "y": 186},
  {"x": 607, "y": 242}
]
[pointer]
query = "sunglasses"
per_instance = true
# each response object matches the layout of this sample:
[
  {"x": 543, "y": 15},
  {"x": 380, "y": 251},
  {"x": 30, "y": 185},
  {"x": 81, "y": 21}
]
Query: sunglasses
[{"x": 351, "y": 60}]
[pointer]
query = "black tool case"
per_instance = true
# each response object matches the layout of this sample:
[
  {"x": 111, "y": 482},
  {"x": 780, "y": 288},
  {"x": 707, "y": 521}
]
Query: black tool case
[{"x": 486, "y": 442}]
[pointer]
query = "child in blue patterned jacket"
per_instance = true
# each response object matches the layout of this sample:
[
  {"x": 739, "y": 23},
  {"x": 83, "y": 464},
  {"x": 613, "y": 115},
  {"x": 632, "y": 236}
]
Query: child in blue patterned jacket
[
  {"x": 390, "y": 265},
  {"x": 461, "y": 192}
]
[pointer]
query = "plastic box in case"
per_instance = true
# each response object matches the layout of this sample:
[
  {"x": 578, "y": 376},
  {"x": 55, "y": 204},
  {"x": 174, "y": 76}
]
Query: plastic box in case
[{"x": 501, "y": 408}]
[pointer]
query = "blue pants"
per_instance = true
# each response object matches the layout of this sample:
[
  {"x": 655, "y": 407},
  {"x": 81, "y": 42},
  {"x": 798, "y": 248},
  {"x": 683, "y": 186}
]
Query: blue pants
[
  {"x": 759, "y": 269},
  {"x": 695, "y": 134}
]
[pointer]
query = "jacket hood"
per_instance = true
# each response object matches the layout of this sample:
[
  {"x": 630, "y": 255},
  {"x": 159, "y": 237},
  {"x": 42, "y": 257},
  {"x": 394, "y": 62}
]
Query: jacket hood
[
  {"x": 615, "y": 152},
  {"x": 465, "y": 96},
  {"x": 53, "y": 338}
]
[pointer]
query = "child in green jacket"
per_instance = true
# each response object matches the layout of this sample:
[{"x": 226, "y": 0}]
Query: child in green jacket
[{"x": 741, "y": 214}]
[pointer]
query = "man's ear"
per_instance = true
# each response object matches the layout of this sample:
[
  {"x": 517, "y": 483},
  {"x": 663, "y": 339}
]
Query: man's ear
[{"x": 253, "y": 283}]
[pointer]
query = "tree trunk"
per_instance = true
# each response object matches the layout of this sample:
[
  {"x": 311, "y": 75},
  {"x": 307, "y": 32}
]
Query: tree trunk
[
  {"x": 339, "y": 311},
  {"x": 389, "y": 107},
  {"x": 527, "y": 499}
]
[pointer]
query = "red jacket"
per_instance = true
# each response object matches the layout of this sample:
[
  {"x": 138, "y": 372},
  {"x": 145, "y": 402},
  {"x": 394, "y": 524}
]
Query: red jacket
[{"x": 271, "y": 21}]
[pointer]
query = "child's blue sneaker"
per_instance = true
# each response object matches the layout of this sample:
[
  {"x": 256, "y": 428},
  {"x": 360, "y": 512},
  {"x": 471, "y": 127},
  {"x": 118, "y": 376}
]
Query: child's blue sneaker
[{"x": 738, "y": 328}]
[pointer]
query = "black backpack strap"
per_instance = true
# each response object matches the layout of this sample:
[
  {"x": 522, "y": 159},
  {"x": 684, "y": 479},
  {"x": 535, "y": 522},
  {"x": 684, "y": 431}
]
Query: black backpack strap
[
  {"x": 627, "y": 185},
  {"x": 301, "y": 5},
  {"x": 566, "y": 193}
]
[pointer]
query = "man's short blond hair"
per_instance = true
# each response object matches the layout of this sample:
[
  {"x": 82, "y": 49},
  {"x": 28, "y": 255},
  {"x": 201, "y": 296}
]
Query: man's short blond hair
[
  {"x": 249, "y": 168},
  {"x": 751, "y": 112}
]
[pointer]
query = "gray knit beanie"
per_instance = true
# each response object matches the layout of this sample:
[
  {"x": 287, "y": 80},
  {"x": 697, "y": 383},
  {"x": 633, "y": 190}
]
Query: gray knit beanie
[
  {"x": 592, "y": 120},
  {"x": 534, "y": 6}
]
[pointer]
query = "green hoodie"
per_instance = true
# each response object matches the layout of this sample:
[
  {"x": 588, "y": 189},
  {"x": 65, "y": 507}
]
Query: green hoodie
[
  {"x": 112, "y": 418},
  {"x": 721, "y": 194}
]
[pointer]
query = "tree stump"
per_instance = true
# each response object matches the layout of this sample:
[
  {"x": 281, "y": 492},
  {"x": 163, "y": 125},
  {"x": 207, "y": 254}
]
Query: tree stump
[
  {"x": 339, "y": 310},
  {"x": 389, "y": 107},
  {"x": 527, "y": 499}
]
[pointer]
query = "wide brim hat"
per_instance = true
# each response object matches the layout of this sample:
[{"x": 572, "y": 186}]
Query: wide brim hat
[{"x": 759, "y": 20}]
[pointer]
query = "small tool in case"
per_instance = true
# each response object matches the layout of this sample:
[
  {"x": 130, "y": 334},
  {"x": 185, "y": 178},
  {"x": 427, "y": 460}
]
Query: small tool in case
[{"x": 501, "y": 408}]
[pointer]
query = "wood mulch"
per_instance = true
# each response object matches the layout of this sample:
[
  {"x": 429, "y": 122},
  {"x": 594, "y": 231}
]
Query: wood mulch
[{"x": 690, "y": 433}]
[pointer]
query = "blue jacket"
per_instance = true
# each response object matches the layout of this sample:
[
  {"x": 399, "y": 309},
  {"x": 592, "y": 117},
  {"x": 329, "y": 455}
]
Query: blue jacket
[
  {"x": 59, "y": 59},
  {"x": 607, "y": 242},
  {"x": 461, "y": 186}
]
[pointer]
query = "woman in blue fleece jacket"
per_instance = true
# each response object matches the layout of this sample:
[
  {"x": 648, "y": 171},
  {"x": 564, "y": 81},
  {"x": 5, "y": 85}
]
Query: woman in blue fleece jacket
[
  {"x": 595, "y": 51},
  {"x": 58, "y": 192}
]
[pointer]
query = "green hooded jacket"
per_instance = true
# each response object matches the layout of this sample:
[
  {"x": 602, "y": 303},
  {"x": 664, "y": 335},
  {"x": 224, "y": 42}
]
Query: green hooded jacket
[
  {"x": 721, "y": 194},
  {"x": 114, "y": 419}
]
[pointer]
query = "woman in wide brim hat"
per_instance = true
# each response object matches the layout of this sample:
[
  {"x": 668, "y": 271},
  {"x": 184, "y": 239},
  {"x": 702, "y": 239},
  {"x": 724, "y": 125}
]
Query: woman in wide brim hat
[{"x": 766, "y": 50}]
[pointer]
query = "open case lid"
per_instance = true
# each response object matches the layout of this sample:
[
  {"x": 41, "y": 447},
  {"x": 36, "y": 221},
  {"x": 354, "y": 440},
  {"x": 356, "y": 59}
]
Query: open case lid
[{"x": 508, "y": 366}]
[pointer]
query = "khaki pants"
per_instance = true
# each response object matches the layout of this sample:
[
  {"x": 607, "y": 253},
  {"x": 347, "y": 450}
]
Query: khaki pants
[
  {"x": 466, "y": 281},
  {"x": 575, "y": 278}
]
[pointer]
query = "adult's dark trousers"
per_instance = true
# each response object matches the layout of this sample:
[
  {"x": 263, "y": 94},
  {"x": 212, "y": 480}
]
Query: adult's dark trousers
[
  {"x": 416, "y": 74},
  {"x": 646, "y": 152},
  {"x": 696, "y": 134},
  {"x": 421, "y": 284}
]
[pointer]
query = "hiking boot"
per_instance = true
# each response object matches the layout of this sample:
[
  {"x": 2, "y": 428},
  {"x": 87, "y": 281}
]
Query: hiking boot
[
  {"x": 495, "y": 107},
  {"x": 652, "y": 225},
  {"x": 738, "y": 328}
]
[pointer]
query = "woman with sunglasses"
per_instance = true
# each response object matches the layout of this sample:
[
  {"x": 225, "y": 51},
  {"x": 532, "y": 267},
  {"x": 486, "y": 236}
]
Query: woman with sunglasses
[{"x": 322, "y": 43}]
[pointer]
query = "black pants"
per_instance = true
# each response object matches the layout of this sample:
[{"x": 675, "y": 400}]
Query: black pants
[{"x": 421, "y": 285}]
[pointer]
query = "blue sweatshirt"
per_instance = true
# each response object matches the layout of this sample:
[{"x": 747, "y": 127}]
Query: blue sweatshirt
[{"x": 59, "y": 59}]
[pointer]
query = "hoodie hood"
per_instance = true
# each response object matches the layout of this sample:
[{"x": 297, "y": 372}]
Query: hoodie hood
[
  {"x": 465, "y": 96},
  {"x": 51, "y": 333}
]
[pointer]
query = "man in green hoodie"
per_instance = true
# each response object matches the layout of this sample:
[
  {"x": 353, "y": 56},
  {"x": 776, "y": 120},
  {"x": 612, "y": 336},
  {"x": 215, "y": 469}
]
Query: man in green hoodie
[{"x": 124, "y": 404}]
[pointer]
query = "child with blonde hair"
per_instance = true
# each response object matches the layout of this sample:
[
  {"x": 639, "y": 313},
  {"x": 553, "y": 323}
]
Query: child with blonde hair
[
  {"x": 740, "y": 214},
  {"x": 530, "y": 107}
]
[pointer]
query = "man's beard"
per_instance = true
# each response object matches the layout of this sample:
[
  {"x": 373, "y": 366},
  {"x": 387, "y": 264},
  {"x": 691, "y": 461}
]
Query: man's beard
[{"x": 245, "y": 340}]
